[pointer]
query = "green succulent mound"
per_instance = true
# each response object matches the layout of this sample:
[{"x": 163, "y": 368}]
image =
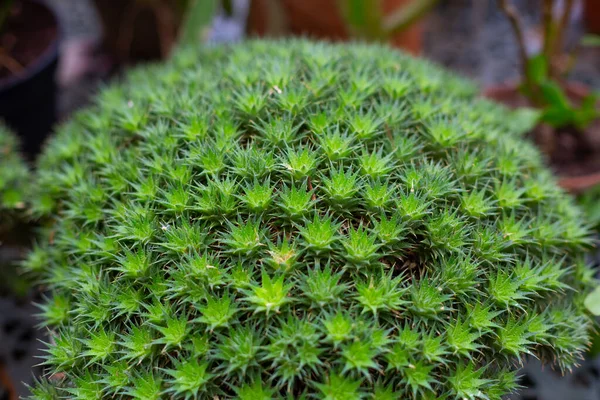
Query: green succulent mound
[
  {"x": 14, "y": 176},
  {"x": 300, "y": 220}
]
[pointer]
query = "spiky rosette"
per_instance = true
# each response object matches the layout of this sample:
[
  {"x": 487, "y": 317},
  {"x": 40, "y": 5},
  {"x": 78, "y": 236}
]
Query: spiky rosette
[{"x": 302, "y": 220}]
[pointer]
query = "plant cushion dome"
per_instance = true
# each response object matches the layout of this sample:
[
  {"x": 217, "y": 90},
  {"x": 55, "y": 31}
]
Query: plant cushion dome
[{"x": 302, "y": 220}]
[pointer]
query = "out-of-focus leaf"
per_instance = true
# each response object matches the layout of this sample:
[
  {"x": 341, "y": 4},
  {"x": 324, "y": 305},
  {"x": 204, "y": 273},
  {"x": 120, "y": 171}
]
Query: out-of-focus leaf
[
  {"x": 554, "y": 95},
  {"x": 363, "y": 18},
  {"x": 590, "y": 41},
  {"x": 588, "y": 111},
  {"x": 406, "y": 15},
  {"x": 537, "y": 69},
  {"x": 558, "y": 116},
  {"x": 558, "y": 111},
  {"x": 356, "y": 12},
  {"x": 198, "y": 20},
  {"x": 592, "y": 301}
]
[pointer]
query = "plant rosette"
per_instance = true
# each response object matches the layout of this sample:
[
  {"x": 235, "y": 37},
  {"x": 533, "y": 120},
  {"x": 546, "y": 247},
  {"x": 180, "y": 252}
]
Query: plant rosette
[{"x": 291, "y": 219}]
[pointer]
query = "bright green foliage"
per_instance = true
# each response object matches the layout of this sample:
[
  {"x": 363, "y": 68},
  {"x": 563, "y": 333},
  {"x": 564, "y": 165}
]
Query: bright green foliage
[{"x": 300, "y": 220}]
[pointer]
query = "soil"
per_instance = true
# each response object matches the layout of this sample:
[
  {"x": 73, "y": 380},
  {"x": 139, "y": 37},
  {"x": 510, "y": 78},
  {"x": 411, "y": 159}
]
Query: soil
[
  {"x": 29, "y": 32},
  {"x": 576, "y": 152},
  {"x": 571, "y": 152}
]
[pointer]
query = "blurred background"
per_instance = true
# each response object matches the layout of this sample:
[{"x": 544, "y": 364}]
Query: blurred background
[{"x": 55, "y": 54}]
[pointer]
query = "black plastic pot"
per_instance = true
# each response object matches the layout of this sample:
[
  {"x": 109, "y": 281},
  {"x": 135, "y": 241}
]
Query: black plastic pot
[{"x": 28, "y": 101}]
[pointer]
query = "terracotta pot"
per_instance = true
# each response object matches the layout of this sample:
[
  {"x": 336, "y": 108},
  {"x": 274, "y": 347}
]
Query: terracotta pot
[
  {"x": 32, "y": 34},
  {"x": 321, "y": 19},
  {"x": 591, "y": 14},
  {"x": 509, "y": 95}
]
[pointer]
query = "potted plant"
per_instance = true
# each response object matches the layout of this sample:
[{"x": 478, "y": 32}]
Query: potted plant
[
  {"x": 29, "y": 35},
  {"x": 569, "y": 129},
  {"x": 394, "y": 21},
  {"x": 295, "y": 220}
]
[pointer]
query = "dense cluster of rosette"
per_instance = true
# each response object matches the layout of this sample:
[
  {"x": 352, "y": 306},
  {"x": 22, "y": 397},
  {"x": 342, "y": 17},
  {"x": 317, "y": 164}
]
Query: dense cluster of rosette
[{"x": 300, "y": 220}]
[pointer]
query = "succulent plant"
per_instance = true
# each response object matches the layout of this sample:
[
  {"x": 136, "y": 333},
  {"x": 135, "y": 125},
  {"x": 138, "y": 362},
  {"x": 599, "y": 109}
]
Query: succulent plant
[{"x": 301, "y": 220}]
